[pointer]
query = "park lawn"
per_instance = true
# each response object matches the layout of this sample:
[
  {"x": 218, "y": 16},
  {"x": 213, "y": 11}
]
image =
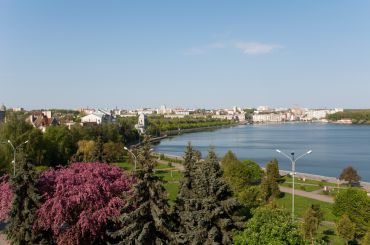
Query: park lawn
[
  {"x": 302, "y": 203},
  {"x": 162, "y": 166},
  {"x": 298, "y": 186},
  {"x": 168, "y": 177},
  {"x": 124, "y": 165},
  {"x": 309, "y": 181},
  {"x": 172, "y": 190},
  {"x": 128, "y": 166}
]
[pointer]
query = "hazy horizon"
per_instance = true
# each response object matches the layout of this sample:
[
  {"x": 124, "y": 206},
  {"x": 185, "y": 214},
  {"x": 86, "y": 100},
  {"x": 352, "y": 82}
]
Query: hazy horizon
[{"x": 73, "y": 54}]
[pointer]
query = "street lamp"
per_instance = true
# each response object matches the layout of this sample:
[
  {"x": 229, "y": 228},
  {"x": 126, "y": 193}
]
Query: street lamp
[
  {"x": 135, "y": 158},
  {"x": 293, "y": 160},
  {"x": 14, "y": 151}
]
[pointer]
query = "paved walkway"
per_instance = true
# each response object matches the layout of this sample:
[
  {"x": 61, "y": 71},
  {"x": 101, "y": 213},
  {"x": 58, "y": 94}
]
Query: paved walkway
[{"x": 311, "y": 195}]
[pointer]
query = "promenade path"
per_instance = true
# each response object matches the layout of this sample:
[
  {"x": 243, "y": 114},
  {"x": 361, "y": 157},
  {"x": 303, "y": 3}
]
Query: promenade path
[{"x": 311, "y": 195}]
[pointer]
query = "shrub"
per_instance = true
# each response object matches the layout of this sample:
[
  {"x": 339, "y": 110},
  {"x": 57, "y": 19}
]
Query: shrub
[
  {"x": 6, "y": 196},
  {"x": 79, "y": 199}
]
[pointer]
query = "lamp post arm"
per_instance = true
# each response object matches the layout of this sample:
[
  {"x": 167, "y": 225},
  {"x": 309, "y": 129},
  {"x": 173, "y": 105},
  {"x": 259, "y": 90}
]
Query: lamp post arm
[
  {"x": 283, "y": 153},
  {"x": 305, "y": 154}
]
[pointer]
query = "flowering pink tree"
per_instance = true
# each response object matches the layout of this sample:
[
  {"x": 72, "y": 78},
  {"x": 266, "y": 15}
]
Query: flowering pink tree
[
  {"x": 6, "y": 196},
  {"x": 79, "y": 199}
]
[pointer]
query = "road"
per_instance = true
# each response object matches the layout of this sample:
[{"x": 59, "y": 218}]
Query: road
[{"x": 311, "y": 195}]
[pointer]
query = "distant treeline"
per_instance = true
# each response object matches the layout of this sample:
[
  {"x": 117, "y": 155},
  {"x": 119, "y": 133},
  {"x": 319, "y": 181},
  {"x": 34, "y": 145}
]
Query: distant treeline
[
  {"x": 159, "y": 124},
  {"x": 357, "y": 116}
]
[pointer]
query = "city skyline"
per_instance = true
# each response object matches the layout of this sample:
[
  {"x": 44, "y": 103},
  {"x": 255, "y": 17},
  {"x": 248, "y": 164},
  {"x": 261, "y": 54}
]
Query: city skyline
[{"x": 210, "y": 55}]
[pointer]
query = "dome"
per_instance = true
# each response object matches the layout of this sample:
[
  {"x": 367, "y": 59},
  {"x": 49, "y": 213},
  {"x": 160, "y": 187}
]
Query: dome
[{"x": 2, "y": 108}]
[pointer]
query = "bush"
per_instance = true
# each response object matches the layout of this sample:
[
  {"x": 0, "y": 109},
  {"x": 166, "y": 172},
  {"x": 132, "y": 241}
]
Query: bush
[
  {"x": 6, "y": 196},
  {"x": 302, "y": 187},
  {"x": 79, "y": 199}
]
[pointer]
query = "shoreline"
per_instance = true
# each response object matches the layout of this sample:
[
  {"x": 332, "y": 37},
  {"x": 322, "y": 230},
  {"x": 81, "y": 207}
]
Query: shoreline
[
  {"x": 175, "y": 132},
  {"x": 365, "y": 185}
]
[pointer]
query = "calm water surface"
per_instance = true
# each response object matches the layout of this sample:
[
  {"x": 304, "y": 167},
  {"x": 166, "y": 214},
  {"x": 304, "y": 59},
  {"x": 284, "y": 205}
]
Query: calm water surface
[{"x": 334, "y": 146}]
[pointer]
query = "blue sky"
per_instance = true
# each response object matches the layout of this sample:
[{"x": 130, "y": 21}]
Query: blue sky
[{"x": 70, "y": 54}]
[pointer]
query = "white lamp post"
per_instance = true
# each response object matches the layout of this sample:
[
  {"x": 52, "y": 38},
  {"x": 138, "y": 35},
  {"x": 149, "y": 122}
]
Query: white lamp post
[
  {"x": 135, "y": 158},
  {"x": 293, "y": 160},
  {"x": 15, "y": 151}
]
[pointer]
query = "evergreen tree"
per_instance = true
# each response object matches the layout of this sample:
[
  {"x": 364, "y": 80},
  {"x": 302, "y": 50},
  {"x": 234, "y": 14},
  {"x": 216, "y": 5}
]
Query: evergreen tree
[
  {"x": 311, "y": 222},
  {"x": 145, "y": 219},
  {"x": 205, "y": 207},
  {"x": 26, "y": 200},
  {"x": 269, "y": 186}
]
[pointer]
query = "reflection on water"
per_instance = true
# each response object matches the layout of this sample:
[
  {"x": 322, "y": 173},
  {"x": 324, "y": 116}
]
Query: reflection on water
[{"x": 334, "y": 146}]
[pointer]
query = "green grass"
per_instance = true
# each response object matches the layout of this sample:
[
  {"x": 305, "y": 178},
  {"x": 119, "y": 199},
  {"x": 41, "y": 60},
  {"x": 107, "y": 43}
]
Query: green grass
[
  {"x": 124, "y": 165},
  {"x": 302, "y": 203},
  {"x": 298, "y": 186},
  {"x": 309, "y": 181},
  {"x": 168, "y": 177},
  {"x": 172, "y": 190}
]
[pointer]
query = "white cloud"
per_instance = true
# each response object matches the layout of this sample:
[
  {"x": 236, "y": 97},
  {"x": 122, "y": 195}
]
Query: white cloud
[{"x": 255, "y": 48}]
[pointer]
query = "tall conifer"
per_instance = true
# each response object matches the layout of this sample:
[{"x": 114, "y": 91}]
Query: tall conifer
[
  {"x": 145, "y": 218},
  {"x": 26, "y": 200},
  {"x": 205, "y": 206}
]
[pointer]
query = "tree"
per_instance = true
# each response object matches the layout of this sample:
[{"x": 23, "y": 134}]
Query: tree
[
  {"x": 59, "y": 145},
  {"x": 269, "y": 186},
  {"x": 98, "y": 154},
  {"x": 26, "y": 200},
  {"x": 269, "y": 225},
  {"x": 85, "y": 151},
  {"x": 112, "y": 151},
  {"x": 15, "y": 129},
  {"x": 6, "y": 196},
  {"x": 356, "y": 204},
  {"x": 366, "y": 239},
  {"x": 350, "y": 174},
  {"x": 205, "y": 207},
  {"x": 243, "y": 178},
  {"x": 78, "y": 201},
  {"x": 145, "y": 218},
  {"x": 240, "y": 175},
  {"x": 346, "y": 228},
  {"x": 311, "y": 222}
]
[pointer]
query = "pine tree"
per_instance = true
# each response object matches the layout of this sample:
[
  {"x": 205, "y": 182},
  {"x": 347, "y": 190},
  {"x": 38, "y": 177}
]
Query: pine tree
[
  {"x": 269, "y": 186},
  {"x": 145, "y": 218},
  {"x": 26, "y": 200},
  {"x": 205, "y": 206}
]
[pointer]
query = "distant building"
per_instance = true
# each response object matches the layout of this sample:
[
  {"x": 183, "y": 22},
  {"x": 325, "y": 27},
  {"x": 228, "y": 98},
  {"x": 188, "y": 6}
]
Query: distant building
[
  {"x": 18, "y": 109},
  {"x": 164, "y": 110},
  {"x": 142, "y": 123},
  {"x": 97, "y": 117},
  {"x": 270, "y": 117},
  {"x": 42, "y": 120},
  {"x": 2, "y": 113}
]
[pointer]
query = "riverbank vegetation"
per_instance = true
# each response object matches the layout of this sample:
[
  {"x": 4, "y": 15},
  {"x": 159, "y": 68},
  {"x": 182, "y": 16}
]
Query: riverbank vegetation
[
  {"x": 357, "y": 116},
  {"x": 159, "y": 125}
]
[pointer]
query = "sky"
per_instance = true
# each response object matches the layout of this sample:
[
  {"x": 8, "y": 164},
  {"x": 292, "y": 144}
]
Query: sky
[{"x": 192, "y": 54}]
